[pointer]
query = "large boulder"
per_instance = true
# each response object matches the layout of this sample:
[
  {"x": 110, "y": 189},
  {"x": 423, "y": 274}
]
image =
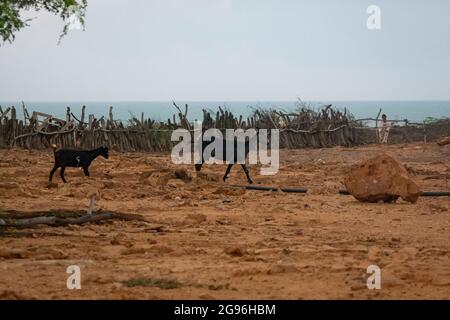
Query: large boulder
[
  {"x": 444, "y": 141},
  {"x": 381, "y": 179}
]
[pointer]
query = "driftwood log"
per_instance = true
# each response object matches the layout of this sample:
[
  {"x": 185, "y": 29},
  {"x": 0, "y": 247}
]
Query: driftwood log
[{"x": 61, "y": 218}]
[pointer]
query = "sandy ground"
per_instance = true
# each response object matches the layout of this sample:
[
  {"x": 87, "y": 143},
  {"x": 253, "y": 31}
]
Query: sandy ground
[{"x": 218, "y": 242}]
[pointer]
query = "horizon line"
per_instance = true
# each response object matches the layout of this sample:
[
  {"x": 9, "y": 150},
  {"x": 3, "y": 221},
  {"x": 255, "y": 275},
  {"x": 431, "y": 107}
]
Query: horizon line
[{"x": 245, "y": 100}]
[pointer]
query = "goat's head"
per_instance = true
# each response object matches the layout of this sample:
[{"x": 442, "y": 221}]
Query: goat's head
[{"x": 104, "y": 152}]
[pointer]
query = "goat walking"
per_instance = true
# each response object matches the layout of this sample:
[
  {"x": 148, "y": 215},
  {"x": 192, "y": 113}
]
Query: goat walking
[
  {"x": 76, "y": 158},
  {"x": 236, "y": 146}
]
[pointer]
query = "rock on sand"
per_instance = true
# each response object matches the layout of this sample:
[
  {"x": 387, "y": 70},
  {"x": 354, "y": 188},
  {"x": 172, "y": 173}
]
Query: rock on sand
[
  {"x": 381, "y": 179},
  {"x": 444, "y": 141}
]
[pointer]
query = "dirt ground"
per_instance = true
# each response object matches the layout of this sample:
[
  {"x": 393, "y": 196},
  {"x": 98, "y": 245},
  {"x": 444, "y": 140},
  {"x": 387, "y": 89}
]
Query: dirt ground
[{"x": 214, "y": 241}]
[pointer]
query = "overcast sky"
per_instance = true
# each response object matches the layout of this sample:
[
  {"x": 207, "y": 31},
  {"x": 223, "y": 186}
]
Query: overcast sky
[{"x": 234, "y": 50}]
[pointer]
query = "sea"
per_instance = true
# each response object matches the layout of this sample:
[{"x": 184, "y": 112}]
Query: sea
[{"x": 414, "y": 111}]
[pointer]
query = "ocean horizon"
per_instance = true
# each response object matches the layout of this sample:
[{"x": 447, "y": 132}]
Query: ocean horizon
[{"x": 414, "y": 111}]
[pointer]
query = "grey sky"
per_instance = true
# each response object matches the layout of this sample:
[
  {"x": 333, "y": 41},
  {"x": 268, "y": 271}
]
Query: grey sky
[{"x": 234, "y": 50}]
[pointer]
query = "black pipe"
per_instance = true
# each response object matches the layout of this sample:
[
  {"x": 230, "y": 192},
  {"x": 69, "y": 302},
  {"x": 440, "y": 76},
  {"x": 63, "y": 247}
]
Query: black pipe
[
  {"x": 294, "y": 190},
  {"x": 435, "y": 194},
  {"x": 423, "y": 194},
  {"x": 265, "y": 188},
  {"x": 343, "y": 192}
]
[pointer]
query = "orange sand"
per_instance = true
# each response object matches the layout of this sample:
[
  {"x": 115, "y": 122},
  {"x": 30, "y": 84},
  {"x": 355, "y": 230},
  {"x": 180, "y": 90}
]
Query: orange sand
[{"x": 223, "y": 243}]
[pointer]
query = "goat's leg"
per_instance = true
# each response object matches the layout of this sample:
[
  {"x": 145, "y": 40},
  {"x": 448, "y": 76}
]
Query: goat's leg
[
  {"x": 86, "y": 171},
  {"x": 227, "y": 172},
  {"x": 244, "y": 167},
  {"x": 52, "y": 173},
  {"x": 198, "y": 167},
  {"x": 62, "y": 174}
]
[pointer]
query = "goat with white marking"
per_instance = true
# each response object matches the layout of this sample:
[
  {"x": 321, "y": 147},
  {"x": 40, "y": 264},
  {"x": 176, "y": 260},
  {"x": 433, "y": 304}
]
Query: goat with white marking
[{"x": 76, "y": 158}]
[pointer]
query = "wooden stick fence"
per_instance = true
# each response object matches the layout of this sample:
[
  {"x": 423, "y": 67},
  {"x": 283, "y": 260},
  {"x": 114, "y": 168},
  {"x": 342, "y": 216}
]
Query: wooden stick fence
[{"x": 304, "y": 129}]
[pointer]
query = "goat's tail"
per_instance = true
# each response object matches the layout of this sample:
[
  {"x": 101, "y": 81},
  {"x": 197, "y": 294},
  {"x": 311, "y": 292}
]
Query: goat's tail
[{"x": 54, "y": 148}]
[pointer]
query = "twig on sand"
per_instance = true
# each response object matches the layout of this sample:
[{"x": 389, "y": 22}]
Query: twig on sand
[{"x": 56, "y": 218}]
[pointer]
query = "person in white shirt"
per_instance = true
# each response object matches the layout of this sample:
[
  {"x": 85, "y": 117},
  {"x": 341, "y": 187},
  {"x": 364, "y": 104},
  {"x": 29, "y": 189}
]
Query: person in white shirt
[{"x": 383, "y": 129}]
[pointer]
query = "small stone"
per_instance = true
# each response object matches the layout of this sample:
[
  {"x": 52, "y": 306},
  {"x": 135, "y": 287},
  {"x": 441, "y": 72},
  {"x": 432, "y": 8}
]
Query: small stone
[
  {"x": 183, "y": 175},
  {"x": 235, "y": 251}
]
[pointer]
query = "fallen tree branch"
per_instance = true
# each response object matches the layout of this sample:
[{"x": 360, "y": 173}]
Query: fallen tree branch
[{"x": 58, "y": 218}]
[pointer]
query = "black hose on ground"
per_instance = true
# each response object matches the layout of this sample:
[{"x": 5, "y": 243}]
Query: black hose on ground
[
  {"x": 435, "y": 194},
  {"x": 265, "y": 188},
  {"x": 343, "y": 192},
  {"x": 294, "y": 190}
]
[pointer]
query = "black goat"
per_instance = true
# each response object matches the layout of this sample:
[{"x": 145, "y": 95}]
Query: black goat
[
  {"x": 237, "y": 145},
  {"x": 76, "y": 158}
]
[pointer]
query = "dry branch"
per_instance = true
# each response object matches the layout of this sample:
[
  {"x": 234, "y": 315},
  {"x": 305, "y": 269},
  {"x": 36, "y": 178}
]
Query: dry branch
[{"x": 60, "y": 218}]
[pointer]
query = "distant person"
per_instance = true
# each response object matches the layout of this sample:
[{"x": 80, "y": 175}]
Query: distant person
[{"x": 383, "y": 129}]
